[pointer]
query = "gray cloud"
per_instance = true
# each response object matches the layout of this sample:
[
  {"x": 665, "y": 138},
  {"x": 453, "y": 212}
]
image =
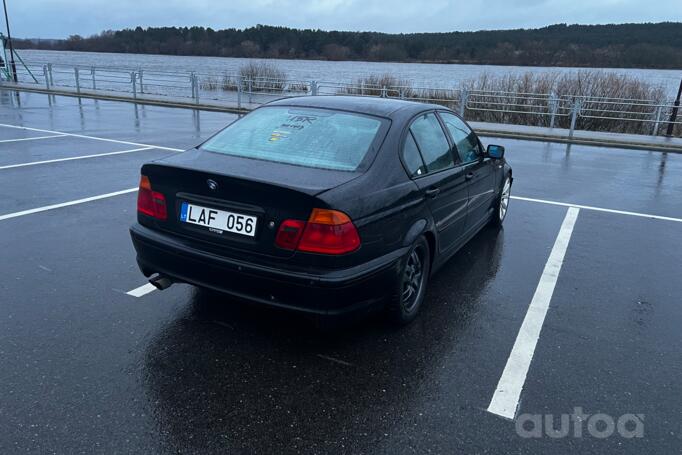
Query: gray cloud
[{"x": 60, "y": 18}]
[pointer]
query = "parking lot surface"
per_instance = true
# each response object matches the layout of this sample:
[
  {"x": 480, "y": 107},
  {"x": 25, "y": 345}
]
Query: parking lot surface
[{"x": 575, "y": 303}]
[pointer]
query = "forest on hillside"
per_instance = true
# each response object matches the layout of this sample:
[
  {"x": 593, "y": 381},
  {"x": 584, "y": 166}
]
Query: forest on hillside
[{"x": 617, "y": 45}]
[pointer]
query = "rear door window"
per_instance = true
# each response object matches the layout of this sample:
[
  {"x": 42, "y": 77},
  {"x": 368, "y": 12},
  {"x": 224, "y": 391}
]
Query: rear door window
[
  {"x": 432, "y": 142},
  {"x": 318, "y": 138},
  {"x": 412, "y": 158},
  {"x": 464, "y": 138}
]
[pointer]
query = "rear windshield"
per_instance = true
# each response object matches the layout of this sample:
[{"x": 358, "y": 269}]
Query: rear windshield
[{"x": 318, "y": 138}]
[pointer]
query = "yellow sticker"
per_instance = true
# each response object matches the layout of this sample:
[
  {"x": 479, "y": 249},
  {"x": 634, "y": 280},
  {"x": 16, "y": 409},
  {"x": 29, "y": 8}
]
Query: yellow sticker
[{"x": 278, "y": 135}]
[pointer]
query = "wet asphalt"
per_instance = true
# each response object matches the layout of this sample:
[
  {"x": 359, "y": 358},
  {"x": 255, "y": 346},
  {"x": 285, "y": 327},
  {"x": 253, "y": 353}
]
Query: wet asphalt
[{"x": 86, "y": 368}]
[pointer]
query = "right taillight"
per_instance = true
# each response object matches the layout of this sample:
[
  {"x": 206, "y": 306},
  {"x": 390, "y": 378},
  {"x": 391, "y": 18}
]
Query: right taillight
[
  {"x": 149, "y": 202},
  {"x": 325, "y": 232},
  {"x": 289, "y": 234}
]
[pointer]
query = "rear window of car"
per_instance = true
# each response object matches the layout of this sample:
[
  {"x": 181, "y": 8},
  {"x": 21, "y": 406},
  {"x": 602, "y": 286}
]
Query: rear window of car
[{"x": 318, "y": 138}]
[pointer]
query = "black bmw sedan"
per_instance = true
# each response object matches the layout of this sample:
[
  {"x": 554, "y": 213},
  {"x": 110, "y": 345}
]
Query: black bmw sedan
[{"x": 324, "y": 204}]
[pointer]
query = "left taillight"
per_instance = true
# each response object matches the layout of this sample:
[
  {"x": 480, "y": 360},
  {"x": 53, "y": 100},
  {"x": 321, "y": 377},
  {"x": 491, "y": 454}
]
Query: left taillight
[{"x": 150, "y": 202}]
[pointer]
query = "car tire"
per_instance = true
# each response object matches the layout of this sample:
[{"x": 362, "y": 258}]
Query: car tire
[
  {"x": 502, "y": 204},
  {"x": 411, "y": 284}
]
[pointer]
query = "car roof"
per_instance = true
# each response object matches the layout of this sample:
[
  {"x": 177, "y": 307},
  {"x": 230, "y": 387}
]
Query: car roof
[{"x": 371, "y": 105}]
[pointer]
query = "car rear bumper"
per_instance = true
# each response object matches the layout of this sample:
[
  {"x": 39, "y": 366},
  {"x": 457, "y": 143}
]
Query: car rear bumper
[{"x": 333, "y": 292}]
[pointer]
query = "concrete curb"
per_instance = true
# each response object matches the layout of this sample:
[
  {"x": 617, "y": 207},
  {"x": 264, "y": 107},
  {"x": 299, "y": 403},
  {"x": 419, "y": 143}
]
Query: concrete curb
[
  {"x": 561, "y": 139},
  {"x": 139, "y": 100}
]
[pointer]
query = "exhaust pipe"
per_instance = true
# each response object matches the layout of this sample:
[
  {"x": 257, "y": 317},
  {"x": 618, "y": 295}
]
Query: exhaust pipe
[{"x": 161, "y": 282}]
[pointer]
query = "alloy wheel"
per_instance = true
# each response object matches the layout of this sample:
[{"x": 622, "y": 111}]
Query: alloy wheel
[
  {"x": 413, "y": 278},
  {"x": 504, "y": 199}
]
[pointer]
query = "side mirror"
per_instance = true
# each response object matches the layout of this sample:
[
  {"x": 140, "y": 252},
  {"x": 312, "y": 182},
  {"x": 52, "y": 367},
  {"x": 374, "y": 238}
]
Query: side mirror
[{"x": 495, "y": 152}]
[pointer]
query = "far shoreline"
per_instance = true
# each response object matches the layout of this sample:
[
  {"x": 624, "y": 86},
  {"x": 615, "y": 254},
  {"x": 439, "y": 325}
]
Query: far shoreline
[{"x": 424, "y": 62}]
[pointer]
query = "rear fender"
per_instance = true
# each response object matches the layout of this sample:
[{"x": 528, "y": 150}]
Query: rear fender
[{"x": 417, "y": 228}]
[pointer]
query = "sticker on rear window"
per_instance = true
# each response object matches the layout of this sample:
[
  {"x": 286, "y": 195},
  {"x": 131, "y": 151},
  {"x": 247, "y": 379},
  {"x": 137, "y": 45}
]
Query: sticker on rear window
[
  {"x": 278, "y": 135},
  {"x": 298, "y": 122}
]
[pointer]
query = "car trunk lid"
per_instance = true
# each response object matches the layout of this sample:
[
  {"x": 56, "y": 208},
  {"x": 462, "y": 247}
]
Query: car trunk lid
[{"x": 237, "y": 185}]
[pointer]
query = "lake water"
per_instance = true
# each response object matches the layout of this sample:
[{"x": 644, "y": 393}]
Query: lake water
[{"x": 419, "y": 74}]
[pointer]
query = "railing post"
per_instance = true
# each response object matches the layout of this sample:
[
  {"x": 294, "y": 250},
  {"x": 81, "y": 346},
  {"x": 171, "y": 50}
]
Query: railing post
[
  {"x": 195, "y": 80},
  {"x": 47, "y": 79},
  {"x": 673, "y": 114},
  {"x": 463, "y": 98},
  {"x": 659, "y": 111},
  {"x": 383, "y": 91},
  {"x": 250, "y": 88},
  {"x": 239, "y": 92},
  {"x": 575, "y": 111},
  {"x": 94, "y": 84},
  {"x": 553, "y": 105},
  {"x": 133, "y": 80},
  {"x": 313, "y": 88},
  {"x": 139, "y": 74},
  {"x": 78, "y": 84},
  {"x": 191, "y": 85}
]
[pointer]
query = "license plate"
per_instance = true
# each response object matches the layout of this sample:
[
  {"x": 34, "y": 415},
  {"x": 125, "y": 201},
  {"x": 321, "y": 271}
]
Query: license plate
[{"x": 218, "y": 220}]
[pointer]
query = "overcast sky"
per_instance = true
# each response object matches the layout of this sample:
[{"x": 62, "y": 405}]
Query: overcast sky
[{"x": 60, "y": 18}]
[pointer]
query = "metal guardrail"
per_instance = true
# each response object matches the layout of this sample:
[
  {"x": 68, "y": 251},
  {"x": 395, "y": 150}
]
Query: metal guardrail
[{"x": 234, "y": 90}]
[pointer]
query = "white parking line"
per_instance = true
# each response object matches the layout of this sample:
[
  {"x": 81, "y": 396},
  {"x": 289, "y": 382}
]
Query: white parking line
[
  {"x": 82, "y": 157},
  {"x": 142, "y": 290},
  {"x": 91, "y": 137},
  {"x": 65, "y": 204},
  {"x": 506, "y": 398},
  {"x": 598, "y": 209},
  {"x": 32, "y": 138}
]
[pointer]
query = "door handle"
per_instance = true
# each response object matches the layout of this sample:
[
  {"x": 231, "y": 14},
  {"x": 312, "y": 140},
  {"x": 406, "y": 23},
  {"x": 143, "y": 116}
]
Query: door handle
[
  {"x": 469, "y": 176},
  {"x": 432, "y": 192}
]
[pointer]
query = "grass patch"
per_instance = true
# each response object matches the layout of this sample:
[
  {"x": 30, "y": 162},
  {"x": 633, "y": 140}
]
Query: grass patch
[{"x": 529, "y": 99}]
